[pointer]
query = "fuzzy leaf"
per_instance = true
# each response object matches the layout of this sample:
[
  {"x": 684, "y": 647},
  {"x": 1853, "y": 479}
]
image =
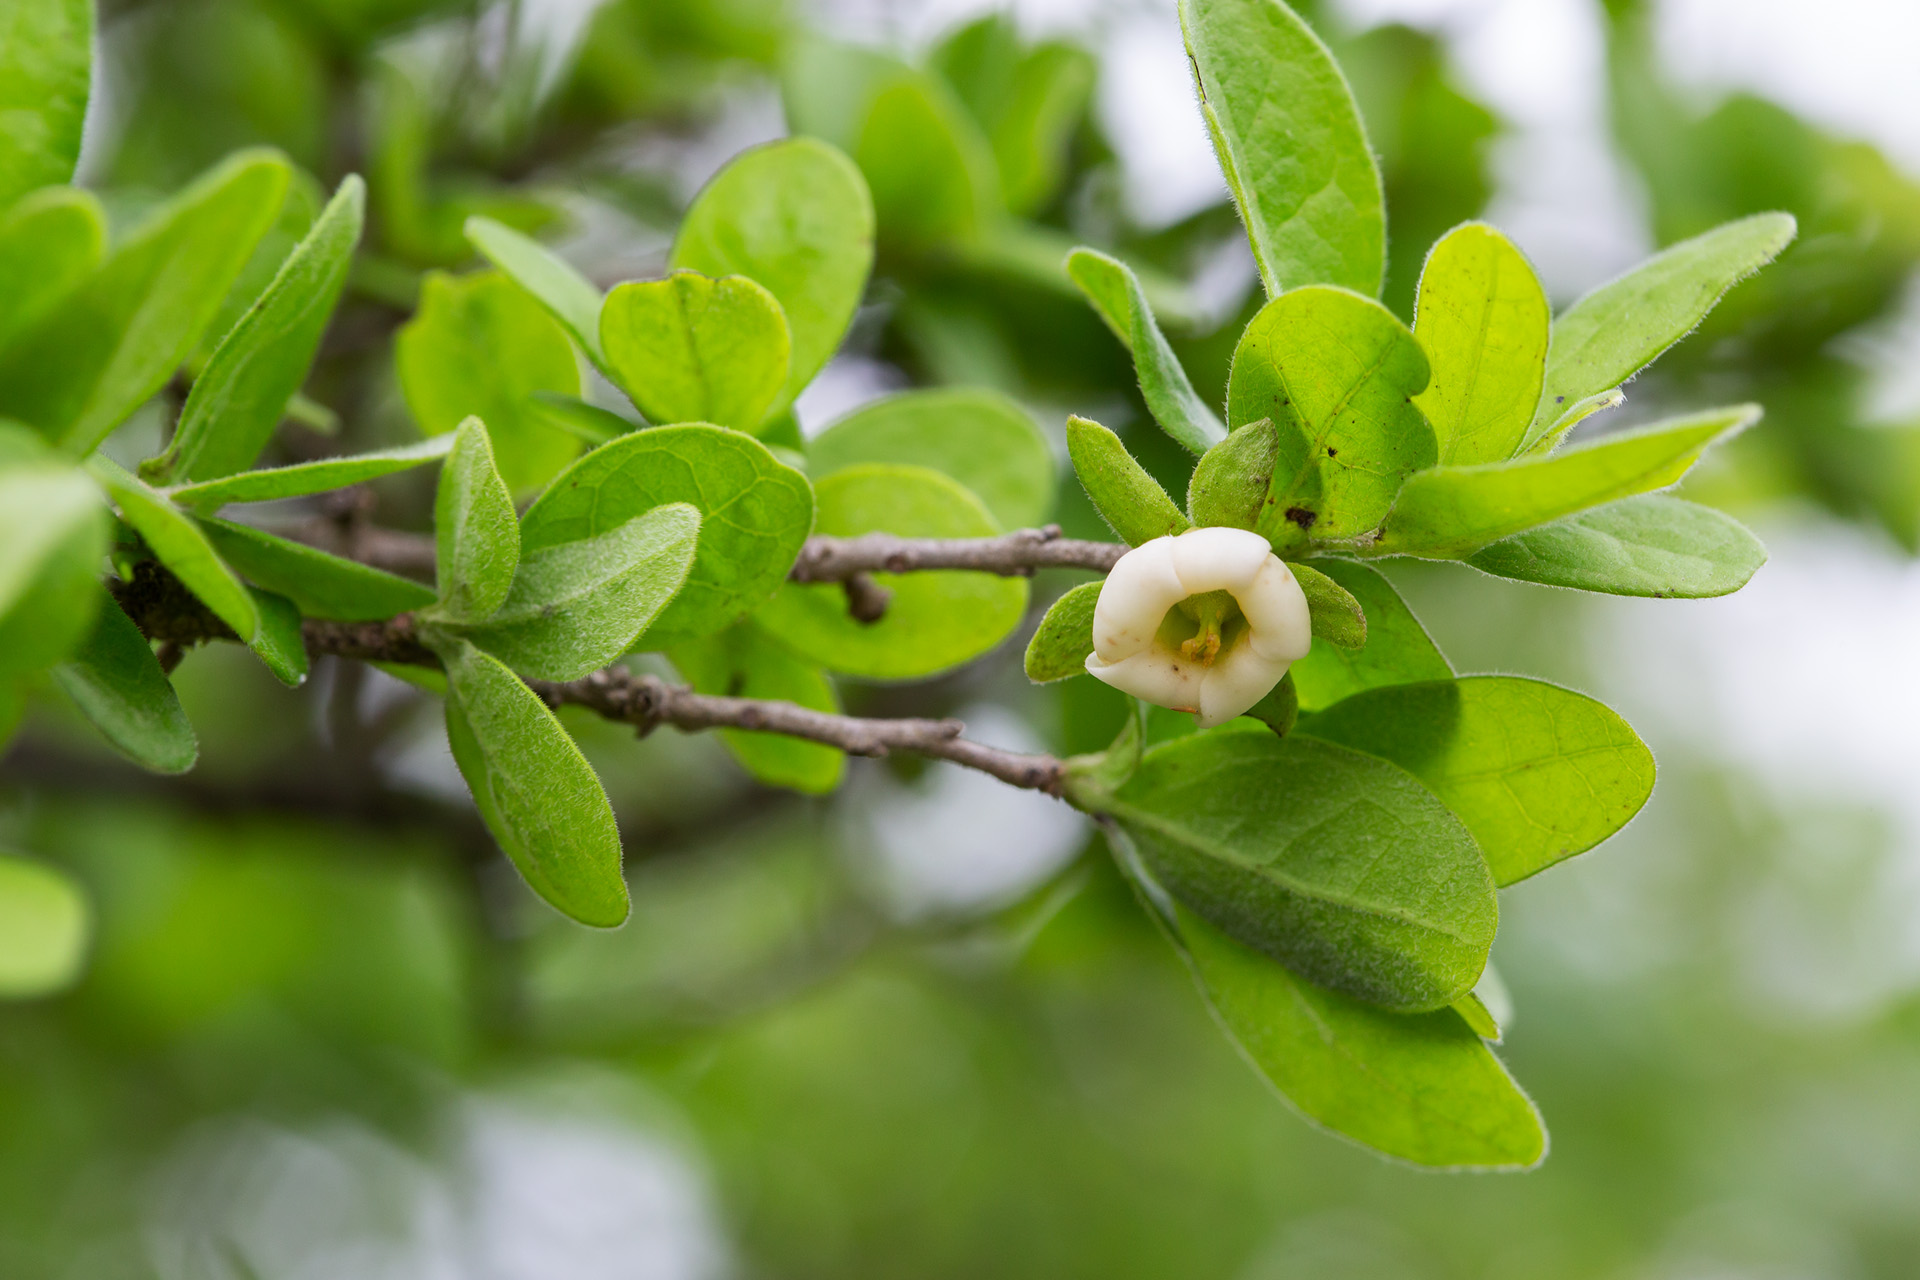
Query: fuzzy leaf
[
  {"x": 1290, "y": 142},
  {"x": 694, "y": 349},
  {"x": 1116, "y": 294},
  {"x": 535, "y": 791},
  {"x": 110, "y": 344},
  {"x": 479, "y": 346},
  {"x": 117, "y": 683},
  {"x": 241, "y": 395},
  {"x": 1620, "y": 328},
  {"x": 1536, "y": 772},
  {"x": 1337, "y": 374},
  {"x": 1483, "y": 321},
  {"x": 271, "y": 484},
  {"x": 320, "y": 585},
  {"x": 49, "y": 243},
  {"x": 979, "y": 437},
  {"x": 745, "y": 662},
  {"x": 45, "y": 924},
  {"x": 279, "y": 643},
  {"x": 795, "y": 217},
  {"x": 1652, "y": 545},
  {"x": 934, "y": 620},
  {"x": 1337, "y": 864},
  {"x": 550, "y": 280},
  {"x": 181, "y": 546},
  {"x": 1229, "y": 484},
  {"x": 1397, "y": 649},
  {"x": 1449, "y": 513},
  {"x": 755, "y": 513},
  {"x": 1127, "y": 498},
  {"x": 577, "y": 606},
  {"x": 46, "y": 66},
  {"x": 1337, "y": 616},
  {"x": 1064, "y": 638},
  {"x": 476, "y": 538},
  {"x": 1421, "y": 1088}
]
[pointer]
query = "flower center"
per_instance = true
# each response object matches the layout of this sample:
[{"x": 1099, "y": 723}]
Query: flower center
[{"x": 1211, "y": 611}]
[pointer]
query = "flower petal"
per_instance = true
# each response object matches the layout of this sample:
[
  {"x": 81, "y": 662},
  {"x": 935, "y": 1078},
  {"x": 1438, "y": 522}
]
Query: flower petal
[
  {"x": 1277, "y": 613},
  {"x": 1219, "y": 559},
  {"x": 1238, "y": 678},
  {"x": 1134, "y": 599},
  {"x": 1162, "y": 676}
]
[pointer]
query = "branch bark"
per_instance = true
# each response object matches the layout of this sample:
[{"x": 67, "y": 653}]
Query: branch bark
[
  {"x": 165, "y": 611},
  {"x": 822, "y": 559}
]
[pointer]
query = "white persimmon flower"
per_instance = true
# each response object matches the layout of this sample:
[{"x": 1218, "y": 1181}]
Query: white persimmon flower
[{"x": 1162, "y": 631}]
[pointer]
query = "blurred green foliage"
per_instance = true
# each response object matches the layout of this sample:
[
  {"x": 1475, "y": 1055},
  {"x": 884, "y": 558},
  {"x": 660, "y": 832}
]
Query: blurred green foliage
[{"x": 295, "y": 936}]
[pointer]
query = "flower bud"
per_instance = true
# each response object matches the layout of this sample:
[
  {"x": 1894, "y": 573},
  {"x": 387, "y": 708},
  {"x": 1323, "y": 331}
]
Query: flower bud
[{"x": 1216, "y": 666}]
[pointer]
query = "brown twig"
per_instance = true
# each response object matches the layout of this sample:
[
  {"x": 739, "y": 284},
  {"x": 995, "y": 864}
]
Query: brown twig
[
  {"x": 647, "y": 702},
  {"x": 166, "y": 611},
  {"x": 822, "y": 559},
  {"x": 1016, "y": 554}
]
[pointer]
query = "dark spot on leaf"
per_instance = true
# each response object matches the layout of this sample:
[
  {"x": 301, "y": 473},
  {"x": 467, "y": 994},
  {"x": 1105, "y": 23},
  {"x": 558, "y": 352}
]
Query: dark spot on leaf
[
  {"x": 1559, "y": 399},
  {"x": 1302, "y": 517},
  {"x": 1332, "y": 452}
]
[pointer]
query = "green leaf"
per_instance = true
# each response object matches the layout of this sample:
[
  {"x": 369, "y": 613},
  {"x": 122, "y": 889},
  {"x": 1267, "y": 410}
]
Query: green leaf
[
  {"x": 1652, "y": 545},
  {"x": 694, "y": 349},
  {"x": 1279, "y": 707},
  {"x": 1422, "y": 1088},
  {"x": 1536, "y": 772},
  {"x": 1620, "y": 328},
  {"x": 49, "y": 243},
  {"x": 979, "y": 437},
  {"x": 54, "y": 530},
  {"x": 180, "y": 544},
  {"x": 1576, "y": 413},
  {"x": 479, "y": 346},
  {"x": 1398, "y": 649},
  {"x": 1029, "y": 102},
  {"x": 476, "y": 537},
  {"x": 934, "y": 620},
  {"x": 1290, "y": 142},
  {"x": 273, "y": 483},
  {"x": 113, "y": 342},
  {"x": 535, "y": 791},
  {"x": 745, "y": 662},
  {"x": 1448, "y": 513},
  {"x": 589, "y": 422},
  {"x": 46, "y": 64},
  {"x": 1337, "y": 864},
  {"x": 795, "y": 217},
  {"x": 1229, "y": 484},
  {"x": 279, "y": 642},
  {"x": 1116, "y": 295},
  {"x": 320, "y": 585},
  {"x": 45, "y": 926},
  {"x": 577, "y": 606},
  {"x": 932, "y": 174},
  {"x": 1337, "y": 616},
  {"x": 1474, "y": 1012},
  {"x": 1337, "y": 373},
  {"x": 1064, "y": 638},
  {"x": 755, "y": 513},
  {"x": 568, "y": 296},
  {"x": 1127, "y": 498},
  {"x": 1483, "y": 320},
  {"x": 117, "y": 683},
  {"x": 241, "y": 395}
]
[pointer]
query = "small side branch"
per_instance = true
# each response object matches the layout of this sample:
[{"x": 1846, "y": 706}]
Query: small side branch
[
  {"x": 647, "y": 702},
  {"x": 821, "y": 559},
  {"x": 1016, "y": 554}
]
